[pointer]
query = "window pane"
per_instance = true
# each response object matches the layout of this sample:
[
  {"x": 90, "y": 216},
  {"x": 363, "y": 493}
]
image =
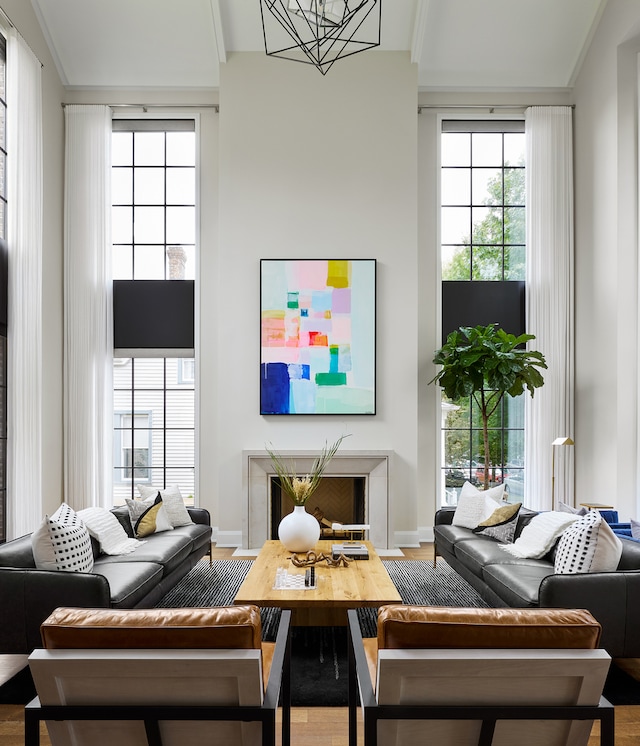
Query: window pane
[
  {"x": 122, "y": 149},
  {"x": 180, "y": 447},
  {"x": 122, "y": 186},
  {"x": 487, "y": 263},
  {"x": 151, "y": 401},
  {"x": 149, "y": 263},
  {"x": 181, "y": 225},
  {"x": 189, "y": 266},
  {"x": 514, "y": 263},
  {"x": 486, "y": 149},
  {"x": 514, "y": 225},
  {"x": 455, "y": 149},
  {"x": 514, "y": 186},
  {"x": 149, "y": 148},
  {"x": 149, "y": 224},
  {"x": 514, "y": 146},
  {"x": 455, "y": 186},
  {"x": 181, "y": 148},
  {"x": 121, "y": 225},
  {"x": 487, "y": 225},
  {"x": 181, "y": 186},
  {"x": 122, "y": 262},
  {"x": 487, "y": 186},
  {"x": 456, "y": 263},
  {"x": 148, "y": 373},
  {"x": 180, "y": 409},
  {"x": 149, "y": 186},
  {"x": 455, "y": 225}
]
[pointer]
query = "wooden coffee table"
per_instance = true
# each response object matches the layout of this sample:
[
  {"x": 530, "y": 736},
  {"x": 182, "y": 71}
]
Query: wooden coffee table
[{"x": 362, "y": 583}]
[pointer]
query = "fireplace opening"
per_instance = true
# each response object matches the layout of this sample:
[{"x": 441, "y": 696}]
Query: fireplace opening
[{"x": 340, "y": 499}]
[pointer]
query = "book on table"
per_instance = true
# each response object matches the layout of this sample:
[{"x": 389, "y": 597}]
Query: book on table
[{"x": 350, "y": 549}]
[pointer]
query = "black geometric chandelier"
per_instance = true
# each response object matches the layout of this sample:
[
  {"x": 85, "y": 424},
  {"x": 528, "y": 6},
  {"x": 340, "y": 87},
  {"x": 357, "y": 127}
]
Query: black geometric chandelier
[{"x": 319, "y": 32}]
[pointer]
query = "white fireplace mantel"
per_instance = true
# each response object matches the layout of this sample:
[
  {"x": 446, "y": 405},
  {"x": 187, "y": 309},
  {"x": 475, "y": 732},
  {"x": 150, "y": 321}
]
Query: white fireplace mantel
[{"x": 372, "y": 465}]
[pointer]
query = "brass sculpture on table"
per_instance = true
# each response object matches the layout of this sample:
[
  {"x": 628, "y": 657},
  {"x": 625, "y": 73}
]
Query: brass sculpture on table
[{"x": 312, "y": 558}]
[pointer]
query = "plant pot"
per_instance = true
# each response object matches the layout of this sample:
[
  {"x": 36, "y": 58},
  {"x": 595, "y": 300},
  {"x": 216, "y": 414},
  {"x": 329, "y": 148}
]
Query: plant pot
[{"x": 299, "y": 531}]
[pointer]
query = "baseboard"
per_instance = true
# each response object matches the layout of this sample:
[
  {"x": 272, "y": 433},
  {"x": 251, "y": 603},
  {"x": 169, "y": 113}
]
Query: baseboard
[
  {"x": 406, "y": 539},
  {"x": 426, "y": 534},
  {"x": 226, "y": 538}
]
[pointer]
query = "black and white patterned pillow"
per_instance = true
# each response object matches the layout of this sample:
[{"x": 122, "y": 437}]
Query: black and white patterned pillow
[
  {"x": 57, "y": 546},
  {"x": 588, "y": 545}
]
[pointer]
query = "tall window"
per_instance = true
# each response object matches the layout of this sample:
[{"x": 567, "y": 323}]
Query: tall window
[
  {"x": 154, "y": 229},
  {"x": 3, "y": 292},
  {"x": 483, "y": 240}
]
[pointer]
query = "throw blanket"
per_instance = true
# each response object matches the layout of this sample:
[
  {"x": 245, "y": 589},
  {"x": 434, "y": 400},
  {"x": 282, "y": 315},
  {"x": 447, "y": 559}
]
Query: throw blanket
[
  {"x": 107, "y": 529},
  {"x": 540, "y": 534}
]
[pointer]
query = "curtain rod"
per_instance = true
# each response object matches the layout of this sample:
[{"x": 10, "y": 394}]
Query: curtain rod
[
  {"x": 491, "y": 107},
  {"x": 4, "y": 15},
  {"x": 145, "y": 107}
]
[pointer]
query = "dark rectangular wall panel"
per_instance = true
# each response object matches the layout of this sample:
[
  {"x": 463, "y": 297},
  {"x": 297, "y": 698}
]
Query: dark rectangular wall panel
[
  {"x": 153, "y": 314},
  {"x": 483, "y": 302}
]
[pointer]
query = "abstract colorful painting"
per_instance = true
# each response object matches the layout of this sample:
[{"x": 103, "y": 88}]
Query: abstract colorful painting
[{"x": 318, "y": 336}]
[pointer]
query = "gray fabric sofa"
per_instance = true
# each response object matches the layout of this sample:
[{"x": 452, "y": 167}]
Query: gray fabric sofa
[
  {"x": 136, "y": 580},
  {"x": 507, "y": 581}
]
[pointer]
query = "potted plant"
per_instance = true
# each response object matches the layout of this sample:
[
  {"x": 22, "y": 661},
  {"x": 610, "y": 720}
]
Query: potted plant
[{"x": 485, "y": 363}]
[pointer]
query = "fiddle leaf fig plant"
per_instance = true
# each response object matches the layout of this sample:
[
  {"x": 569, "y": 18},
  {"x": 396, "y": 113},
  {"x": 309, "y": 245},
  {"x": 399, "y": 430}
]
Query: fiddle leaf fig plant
[{"x": 485, "y": 363}]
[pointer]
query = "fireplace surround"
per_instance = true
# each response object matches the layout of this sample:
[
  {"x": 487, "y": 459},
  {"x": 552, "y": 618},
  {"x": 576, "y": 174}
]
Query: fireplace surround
[{"x": 374, "y": 466}]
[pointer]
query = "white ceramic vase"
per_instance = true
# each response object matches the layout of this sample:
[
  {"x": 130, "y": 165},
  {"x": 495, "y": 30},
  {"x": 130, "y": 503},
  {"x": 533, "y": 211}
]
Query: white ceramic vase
[{"x": 299, "y": 531}]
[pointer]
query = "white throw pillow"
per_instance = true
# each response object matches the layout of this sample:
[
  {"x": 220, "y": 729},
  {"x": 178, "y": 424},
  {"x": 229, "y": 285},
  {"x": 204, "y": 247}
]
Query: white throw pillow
[
  {"x": 107, "y": 529},
  {"x": 589, "y": 545},
  {"x": 57, "y": 546},
  {"x": 540, "y": 534},
  {"x": 565, "y": 508},
  {"x": 475, "y": 506},
  {"x": 67, "y": 515},
  {"x": 173, "y": 503},
  {"x": 148, "y": 516}
]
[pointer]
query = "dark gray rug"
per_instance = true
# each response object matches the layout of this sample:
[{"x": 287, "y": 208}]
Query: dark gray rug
[
  {"x": 319, "y": 654},
  {"x": 418, "y": 582}
]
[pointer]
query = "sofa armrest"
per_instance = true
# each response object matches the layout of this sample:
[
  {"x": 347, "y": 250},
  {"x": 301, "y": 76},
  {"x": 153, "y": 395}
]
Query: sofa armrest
[
  {"x": 444, "y": 516},
  {"x": 27, "y": 598},
  {"x": 612, "y": 597},
  {"x": 200, "y": 515}
]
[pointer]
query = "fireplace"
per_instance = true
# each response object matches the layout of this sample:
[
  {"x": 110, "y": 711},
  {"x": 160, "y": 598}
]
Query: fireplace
[
  {"x": 340, "y": 499},
  {"x": 371, "y": 467}
]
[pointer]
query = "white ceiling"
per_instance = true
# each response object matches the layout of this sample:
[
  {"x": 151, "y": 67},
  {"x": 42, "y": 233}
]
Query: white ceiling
[{"x": 458, "y": 44}]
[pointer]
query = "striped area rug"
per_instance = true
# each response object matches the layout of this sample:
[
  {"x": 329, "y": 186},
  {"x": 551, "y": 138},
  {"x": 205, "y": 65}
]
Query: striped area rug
[{"x": 417, "y": 581}]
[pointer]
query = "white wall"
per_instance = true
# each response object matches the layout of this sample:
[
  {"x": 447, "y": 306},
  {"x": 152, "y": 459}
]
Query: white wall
[
  {"x": 314, "y": 166},
  {"x": 22, "y": 15},
  {"x": 606, "y": 263}
]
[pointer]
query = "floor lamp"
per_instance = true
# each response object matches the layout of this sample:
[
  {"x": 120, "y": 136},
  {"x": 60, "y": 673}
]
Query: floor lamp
[{"x": 562, "y": 441}]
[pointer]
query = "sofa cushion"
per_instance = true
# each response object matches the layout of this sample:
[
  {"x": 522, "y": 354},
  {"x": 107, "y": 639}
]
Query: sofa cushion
[
  {"x": 401, "y": 626},
  {"x": 165, "y": 549},
  {"x": 589, "y": 545},
  {"x": 129, "y": 582},
  {"x": 481, "y": 551},
  {"x": 217, "y": 627},
  {"x": 447, "y": 537},
  {"x": 517, "y": 585}
]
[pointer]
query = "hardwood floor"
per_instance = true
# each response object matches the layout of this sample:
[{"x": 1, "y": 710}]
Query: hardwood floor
[{"x": 328, "y": 726}]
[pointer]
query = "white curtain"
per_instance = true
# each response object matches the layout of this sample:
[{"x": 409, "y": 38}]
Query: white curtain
[
  {"x": 550, "y": 302},
  {"x": 88, "y": 345},
  {"x": 24, "y": 334}
]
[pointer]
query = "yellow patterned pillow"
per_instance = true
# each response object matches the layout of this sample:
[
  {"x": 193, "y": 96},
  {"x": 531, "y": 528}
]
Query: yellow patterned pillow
[
  {"x": 148, "y": 516},
  {"x": 501, "y": 524}
]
